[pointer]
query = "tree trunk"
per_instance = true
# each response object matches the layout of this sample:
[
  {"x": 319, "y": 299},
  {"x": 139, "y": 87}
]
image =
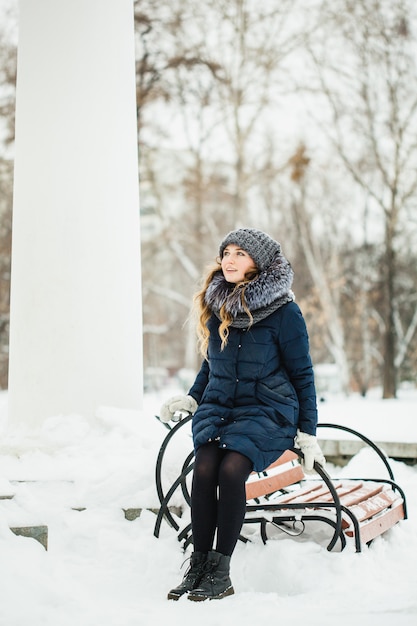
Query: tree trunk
[{"x": 389, "y": 369}]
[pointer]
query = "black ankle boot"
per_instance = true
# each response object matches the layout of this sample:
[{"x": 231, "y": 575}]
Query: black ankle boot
[
  {"x": 215, "y": 582},
  {"x": 192, "y": 576}
]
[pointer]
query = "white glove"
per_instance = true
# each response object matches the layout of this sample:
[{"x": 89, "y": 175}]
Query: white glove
[
  {"x": 311, "y": 450},
  {"x": 177, "y": 404}
]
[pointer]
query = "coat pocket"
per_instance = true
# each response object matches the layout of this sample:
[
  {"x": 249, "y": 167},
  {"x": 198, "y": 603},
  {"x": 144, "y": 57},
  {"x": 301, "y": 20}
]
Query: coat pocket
[{"x": 281, "y": 397}]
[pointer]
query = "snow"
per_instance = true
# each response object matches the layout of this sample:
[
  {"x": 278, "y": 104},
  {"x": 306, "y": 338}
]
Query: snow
[{"x": 101, "y": 569}]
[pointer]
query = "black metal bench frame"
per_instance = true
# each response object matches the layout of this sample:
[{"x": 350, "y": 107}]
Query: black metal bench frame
[{"x": 290, "y": 518}]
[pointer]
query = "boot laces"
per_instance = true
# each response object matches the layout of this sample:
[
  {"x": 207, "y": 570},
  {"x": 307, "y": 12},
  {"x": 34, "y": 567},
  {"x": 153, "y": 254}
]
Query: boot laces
[
  {"x": 208, "y": 571},
  {"x": 189, "y": 565}
]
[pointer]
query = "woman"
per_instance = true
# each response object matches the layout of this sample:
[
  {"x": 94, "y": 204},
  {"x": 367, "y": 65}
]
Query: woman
[{"x": 252, "y": 399}]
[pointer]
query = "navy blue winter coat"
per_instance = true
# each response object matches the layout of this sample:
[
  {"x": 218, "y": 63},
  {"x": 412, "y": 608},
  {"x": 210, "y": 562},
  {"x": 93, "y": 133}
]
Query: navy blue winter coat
[{"x": 254, "y": 394}]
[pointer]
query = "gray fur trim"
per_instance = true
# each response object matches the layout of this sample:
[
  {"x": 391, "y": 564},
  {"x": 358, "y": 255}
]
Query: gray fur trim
[{"x": 267, "y": 292}]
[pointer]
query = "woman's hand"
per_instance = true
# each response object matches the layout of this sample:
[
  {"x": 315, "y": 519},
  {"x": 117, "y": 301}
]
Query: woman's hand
[
  {"x": 176, "y": 405},
  {"x": 311, "y": 451}
]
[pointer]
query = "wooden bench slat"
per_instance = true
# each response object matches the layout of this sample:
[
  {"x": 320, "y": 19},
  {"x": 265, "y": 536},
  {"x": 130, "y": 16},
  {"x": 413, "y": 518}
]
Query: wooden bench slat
[
  {"x": 379, "y": 524},
  {"x": 318, "y": 491},
  {"x": 346, "y": 490},
  {"x": 373, "y": 505},
  {"x": 285, "y": 471},
  {"x": 363, "y": 494},
  {"x": 315, "y": 492},
  {"x": 275, "y": 482},
  {"x": 377, "y": 505},
  {"x": 286, "y": 457},
  {"x": 309, "y": 493}
]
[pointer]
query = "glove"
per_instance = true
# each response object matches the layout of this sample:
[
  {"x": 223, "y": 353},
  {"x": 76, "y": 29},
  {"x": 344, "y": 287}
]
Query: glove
[
  {"x": 311, "y": 450},
  {"x": 176, "y": 404}
]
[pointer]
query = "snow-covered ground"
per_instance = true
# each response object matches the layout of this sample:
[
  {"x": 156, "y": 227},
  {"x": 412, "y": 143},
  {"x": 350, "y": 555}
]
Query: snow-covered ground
[{"x": 102, "y": 570}]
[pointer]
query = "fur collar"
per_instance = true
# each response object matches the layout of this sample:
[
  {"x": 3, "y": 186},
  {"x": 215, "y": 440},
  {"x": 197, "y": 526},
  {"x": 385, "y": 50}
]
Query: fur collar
[{"x": 264, "y": 295}]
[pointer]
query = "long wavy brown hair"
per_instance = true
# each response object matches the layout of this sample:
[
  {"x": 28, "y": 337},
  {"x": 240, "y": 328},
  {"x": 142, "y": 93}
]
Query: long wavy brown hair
[{"x": 203, "y": 312}]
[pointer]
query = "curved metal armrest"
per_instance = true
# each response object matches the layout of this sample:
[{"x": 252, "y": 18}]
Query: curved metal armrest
[
  {"x": 164, "y": 510},
  {"x": 158, "y": 469},
  {"x": 365, "y": 439}
]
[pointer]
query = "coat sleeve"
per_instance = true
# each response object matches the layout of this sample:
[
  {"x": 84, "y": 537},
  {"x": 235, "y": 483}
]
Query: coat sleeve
[
  {"x": 295, "y": 354},
  {"x": 200, "y": 382}
]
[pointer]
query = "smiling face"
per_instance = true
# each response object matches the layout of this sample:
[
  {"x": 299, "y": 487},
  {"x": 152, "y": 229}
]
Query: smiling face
[{"x": 236, "y": 263}]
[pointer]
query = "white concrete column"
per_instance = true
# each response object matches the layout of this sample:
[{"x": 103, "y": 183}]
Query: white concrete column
[{"x": 76, "y": 318}]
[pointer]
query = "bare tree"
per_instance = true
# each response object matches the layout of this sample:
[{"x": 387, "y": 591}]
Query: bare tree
[
  {"x": 321, "y": 258},
  {"x": 366, "y": 67},
  {"x": 260, "y": 39},
  {"x": 8, "y": 65},
  {"x": 223, "y": 74},
  {"x": 6, "y": 181},
  {"x": 7, "y": 118}
]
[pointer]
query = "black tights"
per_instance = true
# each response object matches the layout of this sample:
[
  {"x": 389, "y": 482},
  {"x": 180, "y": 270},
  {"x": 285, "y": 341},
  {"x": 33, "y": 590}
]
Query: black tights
[{"x": 218, "y": 497}]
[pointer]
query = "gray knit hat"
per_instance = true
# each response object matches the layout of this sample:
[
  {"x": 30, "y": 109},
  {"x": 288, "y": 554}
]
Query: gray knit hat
[{"x": 260, "y": 246}]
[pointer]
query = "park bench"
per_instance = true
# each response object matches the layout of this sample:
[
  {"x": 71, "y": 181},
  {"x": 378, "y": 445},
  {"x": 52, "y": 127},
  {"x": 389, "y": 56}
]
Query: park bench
[{"x": 283, "y": 498}]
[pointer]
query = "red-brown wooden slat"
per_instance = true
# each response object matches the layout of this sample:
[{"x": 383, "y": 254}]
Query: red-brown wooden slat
[
  {"x": 275, "y": 482},
  {"x": 318, "y": 491},
  {"x": 323, "y": 494},
  {"x": 287, "y": 456},
  {"x": 272, "y": 482},
  {"x": 344, "y": 490},
  {"x": 312, "y": 493},
  {"x": 373, "y": 505},
  {"x": 350, "y": 493},
  {"x": 379, "y": 524},
  {"x": 363, "y": 494},
  {"x": 309, "y": 493}
]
